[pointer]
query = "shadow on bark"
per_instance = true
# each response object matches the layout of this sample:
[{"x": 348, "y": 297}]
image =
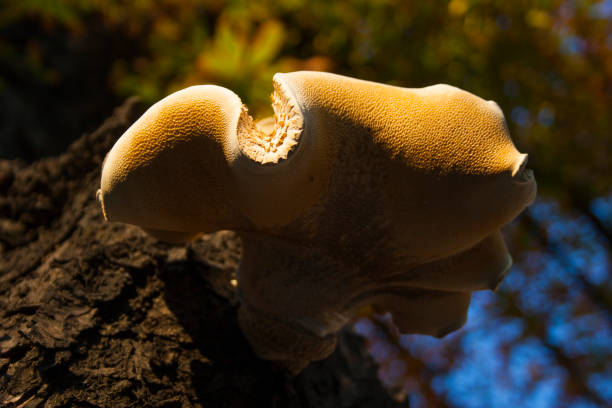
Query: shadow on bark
[{"x": 96, "y": 314}]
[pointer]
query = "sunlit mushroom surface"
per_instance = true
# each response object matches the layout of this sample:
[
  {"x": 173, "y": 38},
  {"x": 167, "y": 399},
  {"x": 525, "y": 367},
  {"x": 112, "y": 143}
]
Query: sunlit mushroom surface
[{"x": 357, "y": 194}]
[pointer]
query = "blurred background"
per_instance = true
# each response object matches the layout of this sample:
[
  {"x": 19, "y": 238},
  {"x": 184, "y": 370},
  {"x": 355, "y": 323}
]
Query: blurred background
[{"x": 544, "y": 339}]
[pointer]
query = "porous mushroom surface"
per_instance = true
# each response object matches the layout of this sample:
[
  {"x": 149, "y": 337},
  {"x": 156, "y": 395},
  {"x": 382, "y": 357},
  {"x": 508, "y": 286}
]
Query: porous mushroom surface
[{"x": 356, "y": 194}]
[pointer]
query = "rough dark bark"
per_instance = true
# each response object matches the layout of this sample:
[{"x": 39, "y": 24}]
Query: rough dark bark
[{"x": 95, "y": 314}]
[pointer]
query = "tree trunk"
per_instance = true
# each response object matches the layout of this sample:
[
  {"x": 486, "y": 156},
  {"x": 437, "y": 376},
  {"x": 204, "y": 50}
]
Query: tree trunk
[{"x": 96, "y": 314}]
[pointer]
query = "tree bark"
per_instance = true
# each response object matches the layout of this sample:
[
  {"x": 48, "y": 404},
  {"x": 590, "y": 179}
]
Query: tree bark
[{"x": 96, "y": 314}]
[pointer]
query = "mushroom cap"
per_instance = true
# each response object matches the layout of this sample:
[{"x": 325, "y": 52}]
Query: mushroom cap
[
  {"x": 197, "y": 162},
  {"x": 355, "y": 194},
  {"x": 439, "y": 160},
  {"x": 169, "y": 171}
]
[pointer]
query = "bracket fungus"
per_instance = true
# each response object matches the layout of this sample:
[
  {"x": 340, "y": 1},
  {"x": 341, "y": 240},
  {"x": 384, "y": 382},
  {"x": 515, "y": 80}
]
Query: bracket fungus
[{"x": 356, "y": 194}]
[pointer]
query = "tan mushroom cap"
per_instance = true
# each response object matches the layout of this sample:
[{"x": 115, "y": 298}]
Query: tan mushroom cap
[
  {"x": 196, "y": 162},
  {"x": 355, "y": 193},
  {"x": 449, "y": 161},
  {"x": 168, "y": 172}
]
